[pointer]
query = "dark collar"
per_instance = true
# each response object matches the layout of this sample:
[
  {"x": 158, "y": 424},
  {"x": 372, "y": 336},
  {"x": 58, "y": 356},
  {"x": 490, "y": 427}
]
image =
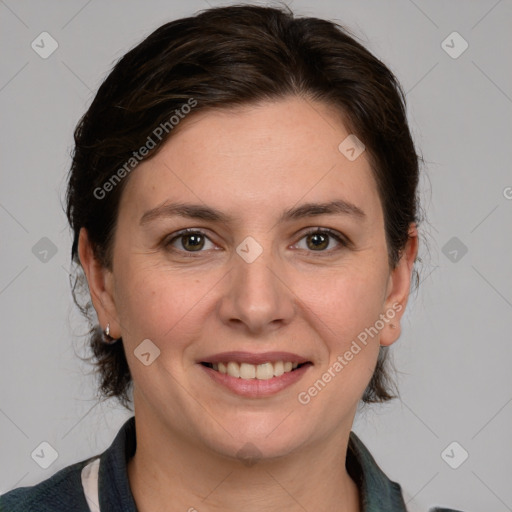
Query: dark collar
[
  {"x": 377, "y": 492},
  {"x": 113, "y": 485}
]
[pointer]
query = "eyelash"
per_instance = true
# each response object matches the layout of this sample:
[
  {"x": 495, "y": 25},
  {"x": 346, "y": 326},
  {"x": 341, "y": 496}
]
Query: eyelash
[{"x": 193, "y": 254}]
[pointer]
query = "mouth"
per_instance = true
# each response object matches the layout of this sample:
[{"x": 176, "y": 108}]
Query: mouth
[
  {"x": 248, "y": 371},
  {"x": 255, "y": 375}
]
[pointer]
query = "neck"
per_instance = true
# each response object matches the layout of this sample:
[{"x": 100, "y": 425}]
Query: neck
[{"x": 169, "y": 472}]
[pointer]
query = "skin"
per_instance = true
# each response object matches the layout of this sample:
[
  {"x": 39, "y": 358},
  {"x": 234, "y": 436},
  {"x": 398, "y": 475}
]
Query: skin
[{"x": 251, "y": 163}]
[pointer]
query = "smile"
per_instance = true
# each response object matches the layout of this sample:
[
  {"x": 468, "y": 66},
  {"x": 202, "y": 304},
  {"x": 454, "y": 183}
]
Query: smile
[
  {"x": 255, "y": 381},
  {"x": 249, "y": 371}
]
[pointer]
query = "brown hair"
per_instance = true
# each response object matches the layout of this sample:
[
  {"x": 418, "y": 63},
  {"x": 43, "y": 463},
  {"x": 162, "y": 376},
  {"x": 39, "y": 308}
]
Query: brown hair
[{"x": 225, "y": 57}]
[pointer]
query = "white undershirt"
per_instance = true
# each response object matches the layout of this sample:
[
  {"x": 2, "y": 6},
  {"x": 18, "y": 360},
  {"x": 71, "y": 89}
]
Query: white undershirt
[{"x": 90, "y": 484}]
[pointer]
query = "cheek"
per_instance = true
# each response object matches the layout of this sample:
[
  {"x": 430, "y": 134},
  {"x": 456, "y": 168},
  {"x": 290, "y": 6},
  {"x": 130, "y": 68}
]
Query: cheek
[
  {"x": 344, "y": 308},
  {"x": 345, "y": 301},
  {"x": 159, "y": 305},
  {"x": 343, "y": 319}
]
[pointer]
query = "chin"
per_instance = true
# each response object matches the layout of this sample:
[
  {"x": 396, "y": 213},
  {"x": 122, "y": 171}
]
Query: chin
[{"x": 252, "y": 442}]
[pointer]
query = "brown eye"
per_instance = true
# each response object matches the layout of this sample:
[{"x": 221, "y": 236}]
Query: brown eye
[
  {"x": 319, "y": 240},
  {"x": 188, "y": 241},
  {"x": 192, "y": 242}
]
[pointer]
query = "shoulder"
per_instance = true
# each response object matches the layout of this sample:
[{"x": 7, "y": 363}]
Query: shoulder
[
  {"x": 64, "y": 491},
  {"x": 379, "y": 492},
  {"x": 61, "y": 492}
]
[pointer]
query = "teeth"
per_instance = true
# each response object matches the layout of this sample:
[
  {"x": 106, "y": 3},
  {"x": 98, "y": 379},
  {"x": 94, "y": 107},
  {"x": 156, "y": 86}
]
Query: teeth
[
  {"x": 248, "y": 371},
  {"x": 233, "y": 369},
  {"x": 263, "y": 371},
  {"x": 278, "y": 368}
]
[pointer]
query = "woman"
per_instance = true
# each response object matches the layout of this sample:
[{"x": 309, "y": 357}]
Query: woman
[{"x": 243, "y": 197}]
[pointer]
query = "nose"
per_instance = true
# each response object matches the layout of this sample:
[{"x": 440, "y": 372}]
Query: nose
[{"x": 257, "y": 298}]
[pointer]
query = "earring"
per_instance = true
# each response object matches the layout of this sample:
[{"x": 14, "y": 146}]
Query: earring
[
  {"x": 106, "y": 336},
  {"x": 393, "y": 326}
]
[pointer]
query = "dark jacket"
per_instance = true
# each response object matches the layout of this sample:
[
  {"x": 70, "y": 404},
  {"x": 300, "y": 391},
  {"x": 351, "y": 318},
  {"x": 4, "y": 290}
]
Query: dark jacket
[{"x": 64, "y": 492}]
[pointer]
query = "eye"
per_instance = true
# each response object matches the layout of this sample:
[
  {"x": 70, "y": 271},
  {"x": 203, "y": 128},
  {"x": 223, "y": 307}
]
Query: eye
[
  {"x": 319, "y": 239},
  {"x": 188, "y": 241}
]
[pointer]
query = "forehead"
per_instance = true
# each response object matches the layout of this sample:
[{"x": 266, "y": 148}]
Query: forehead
[{"x": 270, "y": 156}]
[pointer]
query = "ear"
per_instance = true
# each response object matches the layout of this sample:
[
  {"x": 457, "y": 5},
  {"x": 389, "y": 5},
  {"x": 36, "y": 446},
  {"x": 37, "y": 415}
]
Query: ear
[
  {"x": 100, "y": 281},
  {"x": 399, "y": 285}
]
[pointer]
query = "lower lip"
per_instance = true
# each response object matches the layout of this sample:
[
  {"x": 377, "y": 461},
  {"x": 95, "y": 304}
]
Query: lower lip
[{"x": 255, "y": 388}]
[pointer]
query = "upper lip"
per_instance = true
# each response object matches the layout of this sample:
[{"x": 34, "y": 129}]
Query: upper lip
[{"x": 254, "y": 358}]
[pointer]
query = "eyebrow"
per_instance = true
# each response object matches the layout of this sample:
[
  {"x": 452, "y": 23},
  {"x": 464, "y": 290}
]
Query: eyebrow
[{"x": 202, "y": 212}]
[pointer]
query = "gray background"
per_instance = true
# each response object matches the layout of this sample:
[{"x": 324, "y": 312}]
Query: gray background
[{"x": 454, "y": 356}]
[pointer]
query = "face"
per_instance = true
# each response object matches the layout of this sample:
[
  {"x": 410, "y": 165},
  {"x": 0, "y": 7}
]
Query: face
[{"x": 272, "y": 275}]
